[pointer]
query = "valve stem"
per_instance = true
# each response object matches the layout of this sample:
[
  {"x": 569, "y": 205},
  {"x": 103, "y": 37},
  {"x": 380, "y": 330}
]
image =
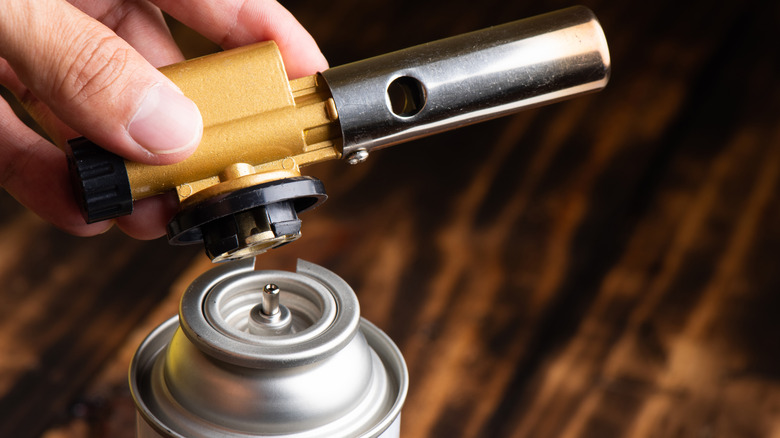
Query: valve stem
[{"x": 269, "y": 306}]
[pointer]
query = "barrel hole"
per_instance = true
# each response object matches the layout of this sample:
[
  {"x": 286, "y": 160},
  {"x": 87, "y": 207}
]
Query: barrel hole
[{"x": 405, "y": 96}]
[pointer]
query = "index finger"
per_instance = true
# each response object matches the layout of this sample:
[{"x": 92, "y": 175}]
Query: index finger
[{"x": 233, "y": 23}]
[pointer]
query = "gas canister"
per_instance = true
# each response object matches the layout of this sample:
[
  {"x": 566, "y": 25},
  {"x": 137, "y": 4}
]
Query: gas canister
[{"x": 268, "y": 353}]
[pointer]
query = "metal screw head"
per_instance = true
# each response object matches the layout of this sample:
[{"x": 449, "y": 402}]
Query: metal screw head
[{"x": 357, "y": 157}]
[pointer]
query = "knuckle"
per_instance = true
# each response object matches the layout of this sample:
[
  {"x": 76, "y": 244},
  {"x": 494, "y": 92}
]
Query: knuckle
[
  {"x": 98, "y": 65},
  {"x": 8, "y": 170},
  {"x": 13, "y": 165},
  {"x": 12, "y": 156}
]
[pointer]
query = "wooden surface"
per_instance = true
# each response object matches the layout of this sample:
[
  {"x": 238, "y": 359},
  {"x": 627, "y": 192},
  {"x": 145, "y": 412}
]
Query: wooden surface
[{"x": 605, "y": 267}]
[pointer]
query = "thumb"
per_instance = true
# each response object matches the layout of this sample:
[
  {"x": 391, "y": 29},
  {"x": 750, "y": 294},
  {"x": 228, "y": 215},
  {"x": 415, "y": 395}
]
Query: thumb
[{"x": 97, "y": 83}]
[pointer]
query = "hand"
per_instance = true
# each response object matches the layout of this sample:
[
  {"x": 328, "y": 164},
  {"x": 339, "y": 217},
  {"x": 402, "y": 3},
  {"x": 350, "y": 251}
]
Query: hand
[{"x": 87, "y": 67}]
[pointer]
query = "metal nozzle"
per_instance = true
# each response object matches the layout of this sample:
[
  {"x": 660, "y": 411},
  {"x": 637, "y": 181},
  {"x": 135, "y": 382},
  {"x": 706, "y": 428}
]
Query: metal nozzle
[
  {"x": 269, "y": 318},
  {"x": 469, "y": 78},
  {"x": 270, "y": 304}
]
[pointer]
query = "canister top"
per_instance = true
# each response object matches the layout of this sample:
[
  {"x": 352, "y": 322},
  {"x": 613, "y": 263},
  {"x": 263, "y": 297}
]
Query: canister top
[
  {"x": 240, "y": 364},
  {"x": 223, "y": 314}
]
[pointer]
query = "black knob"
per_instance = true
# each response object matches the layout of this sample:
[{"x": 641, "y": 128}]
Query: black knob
[
  {"x": 100, "y": 181},
  {"x": 247, "y": 221}
]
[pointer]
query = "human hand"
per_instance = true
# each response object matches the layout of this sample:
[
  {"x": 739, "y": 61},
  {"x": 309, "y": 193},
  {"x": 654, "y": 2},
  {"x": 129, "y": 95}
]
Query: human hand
[{"x": 87, "y": 67}]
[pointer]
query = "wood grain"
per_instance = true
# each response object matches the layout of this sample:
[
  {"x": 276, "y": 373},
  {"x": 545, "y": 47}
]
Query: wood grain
[{"x": 604, "y": 267}]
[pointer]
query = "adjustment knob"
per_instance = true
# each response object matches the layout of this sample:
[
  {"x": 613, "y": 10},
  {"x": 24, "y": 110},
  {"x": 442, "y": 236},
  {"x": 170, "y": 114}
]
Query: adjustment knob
[{"x": 100, "y": 181}]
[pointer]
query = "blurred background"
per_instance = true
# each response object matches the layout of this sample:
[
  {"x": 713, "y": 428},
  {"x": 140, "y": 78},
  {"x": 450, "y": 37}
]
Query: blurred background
[{"x": 603, "y": 267}]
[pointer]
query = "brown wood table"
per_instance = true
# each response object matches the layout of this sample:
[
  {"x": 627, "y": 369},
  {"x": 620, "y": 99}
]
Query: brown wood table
[{"x": 604, "y": 267}]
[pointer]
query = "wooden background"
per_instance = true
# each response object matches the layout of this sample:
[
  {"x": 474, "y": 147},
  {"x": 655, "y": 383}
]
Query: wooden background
[{"x": 605, "y": 267}]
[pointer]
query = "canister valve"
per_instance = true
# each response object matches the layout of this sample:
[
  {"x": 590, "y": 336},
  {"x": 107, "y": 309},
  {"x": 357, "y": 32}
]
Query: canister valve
[
  {"x": 270, "y": 317},
  {"x": 241, "y": 192}
]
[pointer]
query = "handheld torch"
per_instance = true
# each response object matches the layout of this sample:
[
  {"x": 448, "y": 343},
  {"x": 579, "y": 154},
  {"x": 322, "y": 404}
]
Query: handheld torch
[{"x": 241, "y": 192}]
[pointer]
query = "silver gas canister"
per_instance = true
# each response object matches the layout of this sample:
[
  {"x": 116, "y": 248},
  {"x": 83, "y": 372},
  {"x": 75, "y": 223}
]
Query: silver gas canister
[{"x": 268, "y": 353}]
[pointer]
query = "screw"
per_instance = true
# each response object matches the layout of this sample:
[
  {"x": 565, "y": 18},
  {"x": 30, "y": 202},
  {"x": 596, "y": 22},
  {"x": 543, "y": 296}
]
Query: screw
[{"x": 357, "y": 156}]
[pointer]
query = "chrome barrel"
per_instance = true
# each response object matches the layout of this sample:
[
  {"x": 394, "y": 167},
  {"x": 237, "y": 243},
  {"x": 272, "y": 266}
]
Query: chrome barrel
[{"x": 469, "y": 78}]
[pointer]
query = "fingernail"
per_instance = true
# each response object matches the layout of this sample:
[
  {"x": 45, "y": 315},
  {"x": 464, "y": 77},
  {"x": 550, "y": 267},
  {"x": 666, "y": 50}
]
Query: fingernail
[{"x": 166, "y": 122}]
